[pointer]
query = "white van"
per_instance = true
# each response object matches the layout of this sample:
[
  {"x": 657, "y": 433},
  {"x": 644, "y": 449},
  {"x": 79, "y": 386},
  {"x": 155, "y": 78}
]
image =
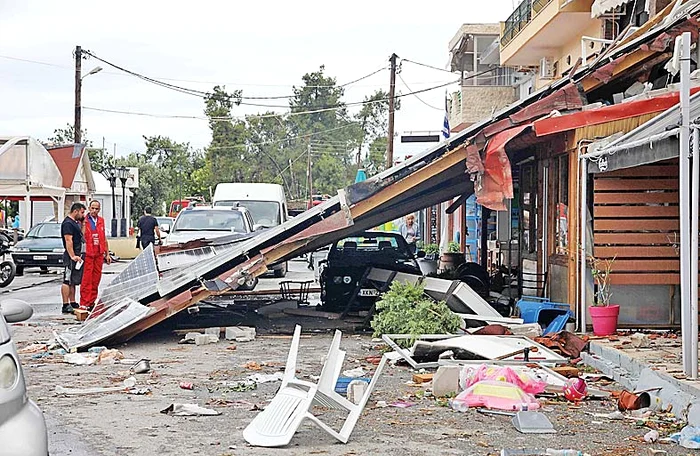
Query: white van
[{"x": 265, "y": 202}]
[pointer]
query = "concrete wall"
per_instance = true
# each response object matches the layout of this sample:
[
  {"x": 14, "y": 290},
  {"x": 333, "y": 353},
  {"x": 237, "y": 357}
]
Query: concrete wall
[{"x": 479, "y": 102}]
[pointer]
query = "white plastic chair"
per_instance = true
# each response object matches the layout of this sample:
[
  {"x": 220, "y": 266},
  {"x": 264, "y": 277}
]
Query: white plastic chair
[{"x": 277, "y": 424}]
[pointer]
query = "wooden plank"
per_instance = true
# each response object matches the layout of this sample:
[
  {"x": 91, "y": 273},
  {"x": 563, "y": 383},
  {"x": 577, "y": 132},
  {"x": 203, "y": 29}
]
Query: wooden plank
[
  {"x": 635, "y": 211},
  {"x": 635, "y": 197},
  {"x": 635, "y": 238},
  {"x": 645, "y": 171},
  {"x": 632, "y": 60},
  {"x": 668, "y": 265},
  {"x": 636, "y": 252},
  {"x": 635, "y": 184},
  {"x": 646, "y": 279},
  {"x": 636, "y": 225}
]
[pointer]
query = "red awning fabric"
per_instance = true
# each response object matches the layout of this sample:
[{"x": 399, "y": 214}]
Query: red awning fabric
[
  {"x": 552, "y": 125},
  {"x": 496, "y": 183}
]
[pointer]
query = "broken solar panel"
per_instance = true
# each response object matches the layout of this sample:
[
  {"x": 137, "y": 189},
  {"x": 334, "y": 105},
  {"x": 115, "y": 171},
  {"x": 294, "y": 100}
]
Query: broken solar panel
[
  {"x": 137, "y": 281},
  {"x": 168, "y": 261},
  {"x": 120, "y": 315}
]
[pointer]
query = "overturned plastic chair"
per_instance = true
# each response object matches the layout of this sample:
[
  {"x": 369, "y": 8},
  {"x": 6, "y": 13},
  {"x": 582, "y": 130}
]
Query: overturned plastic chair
[{"x": 276, "y": 425}]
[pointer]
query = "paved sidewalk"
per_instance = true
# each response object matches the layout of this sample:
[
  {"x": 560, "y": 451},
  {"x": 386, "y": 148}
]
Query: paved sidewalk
[{"x": 657, "y": 364}]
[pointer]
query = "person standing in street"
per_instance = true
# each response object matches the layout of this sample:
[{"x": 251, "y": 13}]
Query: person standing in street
[
  {"x": 409, "y": 230},
  {"x": 73, "y": 240},
  {"x": 148, "y": 228},
  {"x": 96, "y": 253},
  {"x": 15, "y": 229}
]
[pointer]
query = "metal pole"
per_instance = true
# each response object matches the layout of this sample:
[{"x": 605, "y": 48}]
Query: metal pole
[
  {"x": 123, "y": 221},
  {"x": 545, "y": 226},
  {"x": 78, "y": 87},
  {"x": 694, "y": 253},
  {"x": 687, "y": 319},
  {"x": 583, "y": 235},
  {"x": 392, "y": 92}
]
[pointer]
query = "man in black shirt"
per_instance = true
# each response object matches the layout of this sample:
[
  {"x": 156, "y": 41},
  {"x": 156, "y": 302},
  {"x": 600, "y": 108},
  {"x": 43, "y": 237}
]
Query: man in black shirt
[
  {"x": 148, "y": 228},
  {"x": 73, "y": 240}
]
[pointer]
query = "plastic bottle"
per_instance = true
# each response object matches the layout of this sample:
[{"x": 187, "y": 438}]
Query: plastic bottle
[
  {"x": 459, "y": 406},
  {"x": 552, "y": 452},
  {"x": 690, "y": 437}
]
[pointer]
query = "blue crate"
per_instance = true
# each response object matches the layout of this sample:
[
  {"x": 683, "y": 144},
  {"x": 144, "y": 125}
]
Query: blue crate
[
  {"x": 341, "y": 386},
  {"x": 552, "y": 316}
]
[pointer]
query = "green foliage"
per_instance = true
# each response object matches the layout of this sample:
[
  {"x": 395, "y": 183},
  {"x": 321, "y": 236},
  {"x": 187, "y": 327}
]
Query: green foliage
[
  {"x": 405, "y": 309},
  {"x": 453, "y": 247},
  {"x": 431, "y": 249}
]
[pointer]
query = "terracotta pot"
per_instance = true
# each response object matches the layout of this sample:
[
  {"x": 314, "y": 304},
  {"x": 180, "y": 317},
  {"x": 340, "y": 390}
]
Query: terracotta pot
[
  {"x": 450, "y": 260},
  {"x": 604, "y": 319}
]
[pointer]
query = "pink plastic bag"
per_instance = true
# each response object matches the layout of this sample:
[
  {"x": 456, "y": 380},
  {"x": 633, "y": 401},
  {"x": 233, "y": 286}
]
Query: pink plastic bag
[
  {"x": 472, "y": 375},
  {"x": 495, "y": 394}
]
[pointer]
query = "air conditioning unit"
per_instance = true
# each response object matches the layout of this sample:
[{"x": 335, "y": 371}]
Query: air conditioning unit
[{"x": 547, "y": 68}]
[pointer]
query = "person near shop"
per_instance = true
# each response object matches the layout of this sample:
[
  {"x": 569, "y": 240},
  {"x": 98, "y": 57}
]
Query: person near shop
[
  {"x": 15, "y": 229},
  {"x": 73, "y": 240},
  {"x": 96, "y": 253},
  {"x": 409, "y": 230},
  {"x": 148, "y": 228}
]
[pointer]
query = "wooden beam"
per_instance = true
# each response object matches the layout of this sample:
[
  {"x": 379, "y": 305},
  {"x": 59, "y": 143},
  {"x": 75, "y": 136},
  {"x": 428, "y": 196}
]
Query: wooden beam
[{"x": 636, "y": 58}]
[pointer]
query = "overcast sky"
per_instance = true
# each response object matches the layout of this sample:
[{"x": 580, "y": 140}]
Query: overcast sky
[{"x": 261, "y": 47}]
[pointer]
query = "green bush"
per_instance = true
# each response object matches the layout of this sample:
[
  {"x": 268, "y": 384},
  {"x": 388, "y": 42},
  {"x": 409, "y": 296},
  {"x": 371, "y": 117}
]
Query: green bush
[{"x": 405, "y": 309}]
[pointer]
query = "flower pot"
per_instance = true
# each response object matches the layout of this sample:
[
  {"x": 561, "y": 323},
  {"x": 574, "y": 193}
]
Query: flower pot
[
  {"x": 450, "y": 260},
  {"x": 427, "y": 266},
  {"x": 604, "y": 319}
]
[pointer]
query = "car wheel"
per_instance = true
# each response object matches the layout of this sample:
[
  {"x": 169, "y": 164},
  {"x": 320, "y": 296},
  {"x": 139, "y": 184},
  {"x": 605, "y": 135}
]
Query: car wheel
[
  {"x": 7, "y": 273},
  {"x": 279, "y": 273},
  {"x": 19, "y": 271},
  {"x": 250, "y": 283}
]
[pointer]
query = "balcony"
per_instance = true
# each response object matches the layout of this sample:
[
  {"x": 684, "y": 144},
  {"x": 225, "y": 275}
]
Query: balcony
[{"x": 542, "y": 28}]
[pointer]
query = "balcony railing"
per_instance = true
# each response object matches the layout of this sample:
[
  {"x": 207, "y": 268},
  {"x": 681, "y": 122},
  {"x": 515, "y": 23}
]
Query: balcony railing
[{"x": 522, "y": 15}]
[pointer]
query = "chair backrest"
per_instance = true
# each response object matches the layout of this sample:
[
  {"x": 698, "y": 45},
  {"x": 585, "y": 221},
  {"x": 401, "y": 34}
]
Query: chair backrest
[
  {"x": 350, "y": 245},
  {"x": 384, "y": 245},
  {"x": 533, "y": 281}
]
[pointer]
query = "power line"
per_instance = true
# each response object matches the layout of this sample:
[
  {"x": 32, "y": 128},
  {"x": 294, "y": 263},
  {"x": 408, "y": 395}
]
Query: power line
[
  {"x": 427, "y": 66},
  {"x": 419, "y": 98}
]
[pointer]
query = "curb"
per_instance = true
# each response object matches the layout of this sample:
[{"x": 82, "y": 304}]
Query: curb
[{"x": 683, "y": 397}]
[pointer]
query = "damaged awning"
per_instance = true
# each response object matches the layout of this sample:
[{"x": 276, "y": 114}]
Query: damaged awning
[
  {"x": 653, "y": 141},
  {"x": 601, "y": 7}
]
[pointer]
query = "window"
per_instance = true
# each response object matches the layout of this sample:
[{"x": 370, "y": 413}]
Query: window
[
  {"x": 474, "y": 47},
  {"x": 528, "y": 207}
]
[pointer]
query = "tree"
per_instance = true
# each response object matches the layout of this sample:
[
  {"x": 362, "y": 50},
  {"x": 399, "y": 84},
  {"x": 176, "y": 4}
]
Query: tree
[{"x": 374, "y": 124}]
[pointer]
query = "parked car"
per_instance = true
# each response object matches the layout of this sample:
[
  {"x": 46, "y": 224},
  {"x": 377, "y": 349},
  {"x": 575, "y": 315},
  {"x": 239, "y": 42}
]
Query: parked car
[
  {"x": 165, "y": 224},
  {"x": 42, "y": 247},
  {"x": 22, "y": 425},
  {"x": 350, "y": 257},
  {"x": 206, "y": 222}
]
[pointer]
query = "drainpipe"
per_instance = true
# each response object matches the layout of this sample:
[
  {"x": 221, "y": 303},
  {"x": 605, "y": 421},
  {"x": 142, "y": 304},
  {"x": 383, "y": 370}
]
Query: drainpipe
[
  {"x": 582, "y": 236},
  {"x": 694, "y": 253},
  {"x": 688, "y": 320}
]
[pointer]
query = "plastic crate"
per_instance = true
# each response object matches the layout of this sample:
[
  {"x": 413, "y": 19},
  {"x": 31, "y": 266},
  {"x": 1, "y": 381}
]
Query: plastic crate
[
  {"x": 552, "y": 316},
  {"x": 341, "y": 386}
]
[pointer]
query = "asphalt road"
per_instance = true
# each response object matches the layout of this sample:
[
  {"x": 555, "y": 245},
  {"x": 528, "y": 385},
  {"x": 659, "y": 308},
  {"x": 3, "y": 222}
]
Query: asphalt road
[{"x": 42, "y": 292}]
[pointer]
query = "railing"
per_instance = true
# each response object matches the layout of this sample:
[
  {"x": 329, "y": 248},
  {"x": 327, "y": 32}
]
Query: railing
[{"x": 522, "y": 15}]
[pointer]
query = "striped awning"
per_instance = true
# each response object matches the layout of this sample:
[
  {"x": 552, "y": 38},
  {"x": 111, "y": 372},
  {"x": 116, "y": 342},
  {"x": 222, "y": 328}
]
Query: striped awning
[{"x": 601, "y": 7}]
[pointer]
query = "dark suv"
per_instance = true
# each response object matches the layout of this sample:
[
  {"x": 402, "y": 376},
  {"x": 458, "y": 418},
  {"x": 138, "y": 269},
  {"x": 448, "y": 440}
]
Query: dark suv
[{"x": 348, "y": 260}]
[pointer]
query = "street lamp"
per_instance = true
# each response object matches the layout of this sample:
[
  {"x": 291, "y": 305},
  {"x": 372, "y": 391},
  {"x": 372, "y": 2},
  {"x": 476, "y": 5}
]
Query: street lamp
[
  {"x": 77, "y": 134},
  {"x": 123, "y": 174},
  {"x": 111, "y": 175}
]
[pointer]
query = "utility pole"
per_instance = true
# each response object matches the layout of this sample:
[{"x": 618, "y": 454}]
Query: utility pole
[
  {"x": 78, "y": 87},
  {"x": 308, "y": 171},
  {"x": 392, "y": 91}
]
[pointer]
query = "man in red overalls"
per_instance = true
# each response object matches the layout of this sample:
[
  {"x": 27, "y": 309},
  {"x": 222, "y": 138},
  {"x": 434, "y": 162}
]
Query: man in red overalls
[{"x": 96, "y": 252}]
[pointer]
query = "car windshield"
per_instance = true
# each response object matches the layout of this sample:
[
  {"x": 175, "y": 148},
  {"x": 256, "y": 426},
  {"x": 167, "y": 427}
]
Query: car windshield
[
  {"x": 45, "y": 230},
  {"x": 164, "y": 220},
  {"x": 213, "y": 220},
  {"x": 266, "y": 213},
  {"x": 374, "y": 246}
]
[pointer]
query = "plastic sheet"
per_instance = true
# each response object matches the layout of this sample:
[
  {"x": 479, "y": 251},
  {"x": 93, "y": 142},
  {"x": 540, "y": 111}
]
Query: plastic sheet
[
  {"x": 471, "y": 375},
  {"x": 495, "y": 394}
]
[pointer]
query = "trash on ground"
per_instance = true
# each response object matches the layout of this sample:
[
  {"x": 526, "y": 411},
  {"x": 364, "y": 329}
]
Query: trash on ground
[
  {"x": 689, "y": 437},
  {"x": 240, "y": 333},
  {"x": 402, "y": 404},
  {"x": 575, "y": 389},
  {"x": 80, "y": 359},
  {"x": 187, "y": 385},
  {"x": 188, "y": 410},
  {"x": 265, "y": 378},
  {"x": 471, "y": 375},
  {"x": 651, "y": 436},
  {"x": 128, "y": 383},
  {"x": 141, "y": 367},
  {"x": 342, "y": 384},
  {"x": 529, "y": 422},
  {"x": 33, "y": 348},
  {"x": 354, "y": 373},
  {"x": 495, "y": 394}
]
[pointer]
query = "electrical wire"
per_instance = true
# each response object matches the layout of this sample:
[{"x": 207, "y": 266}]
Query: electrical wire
[
  {"x": 419, "y": 98},
  {"x": 427, "y": 66}
]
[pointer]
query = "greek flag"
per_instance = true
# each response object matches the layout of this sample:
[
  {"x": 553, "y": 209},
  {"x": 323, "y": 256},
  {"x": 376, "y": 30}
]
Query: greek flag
[{"x": 446, "y": 122}]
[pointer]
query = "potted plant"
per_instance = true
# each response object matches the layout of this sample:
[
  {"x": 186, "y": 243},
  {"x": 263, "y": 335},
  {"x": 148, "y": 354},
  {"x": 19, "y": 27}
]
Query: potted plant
[
  {"x": 452, "y": 258},
  {"x": 603, "y": 314},
  {"x": 428, "y": 258}
]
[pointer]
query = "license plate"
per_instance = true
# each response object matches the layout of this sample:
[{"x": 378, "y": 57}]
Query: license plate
[
  {"x": 369, "y": 292},
  {"x": 40, "y": 257}
]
